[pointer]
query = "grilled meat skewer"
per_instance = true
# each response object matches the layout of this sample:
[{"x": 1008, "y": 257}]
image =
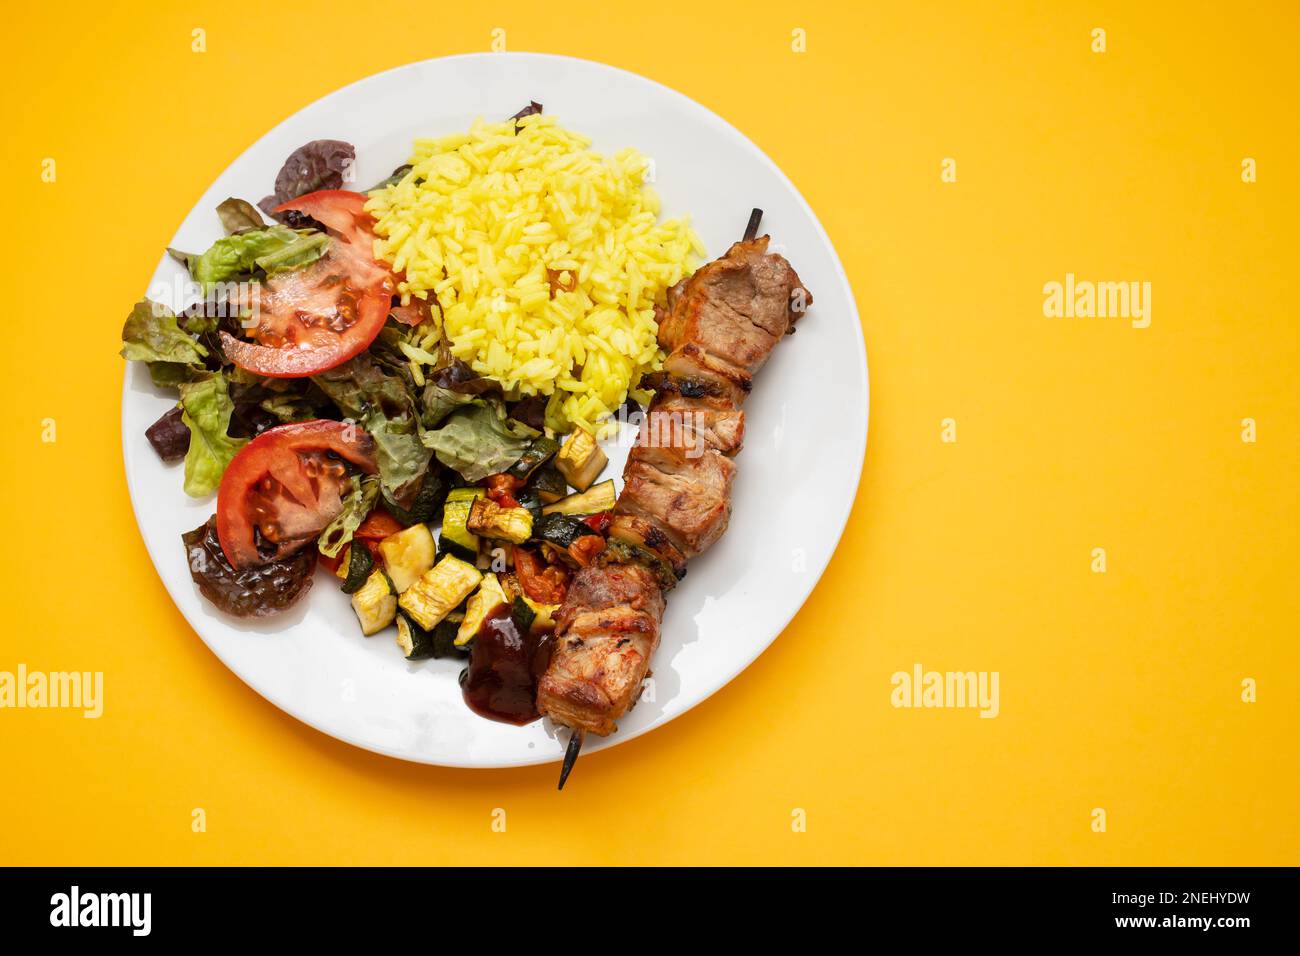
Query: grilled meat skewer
[{"x": 720, "y": 326}]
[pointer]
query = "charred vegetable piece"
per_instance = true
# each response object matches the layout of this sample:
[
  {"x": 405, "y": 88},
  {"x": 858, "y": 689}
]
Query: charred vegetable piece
[
  {"x": 489, "y": 519},
  {"x": 560, "y": 530},
  {"x": 548, "y": 484},
  {"x": 540, "y": 451},
  {"x": 256, "y": 592},
  {"x": 597, "y": 498},
  {"x": 439, "y": 591},
  {"x": 356, "y": 568},
  {"x": 485, "y": 600},
  {"x": 418, "y": 644},
  {"x": 375, "y": 604},
  {"x": 455, "y": 517},
  {"x": 581, "y": 460},
  {"x": 428, "y": 500},
  {"x": 407, "y": 555}
]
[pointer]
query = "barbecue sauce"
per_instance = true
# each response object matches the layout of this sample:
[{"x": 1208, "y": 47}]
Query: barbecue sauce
[{"x": 505, "y": 665}]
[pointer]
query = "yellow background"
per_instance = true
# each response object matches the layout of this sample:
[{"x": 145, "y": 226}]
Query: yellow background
[{"x": 1118, "y": 690}]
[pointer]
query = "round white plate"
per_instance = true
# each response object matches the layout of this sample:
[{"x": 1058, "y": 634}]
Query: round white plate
[{"x": 805, "y": 429}]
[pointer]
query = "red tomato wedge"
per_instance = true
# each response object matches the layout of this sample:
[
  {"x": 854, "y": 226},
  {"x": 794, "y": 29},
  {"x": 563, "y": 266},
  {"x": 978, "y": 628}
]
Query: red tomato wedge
[
  {"x": 283, "y": 488},
  {"x": 312, "y": 319}
]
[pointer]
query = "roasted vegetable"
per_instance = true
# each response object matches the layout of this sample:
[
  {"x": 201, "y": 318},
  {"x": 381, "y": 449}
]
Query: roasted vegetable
[
  {"x": 417, "y": 643},
  {"x": 439, "y": 591},
  {"x": 356, "y": 567},
  {"x": 597, "y": 498},
  {"x": 455, "y": 517},
  {"x": 543, "y": 614},
  {"x": 580, "y": 459},
  {"x": 548, "y": 484},
  {"x": 486, "y": 599},
  {"x": 490, "y": 520},
  {"x": 539, "y": 451},
  {"x": 407, "y": 555},
  {"x": 375, "y": 604},
  {"x": 428, "y": 500},
  {"x": 561, "y": 530}
]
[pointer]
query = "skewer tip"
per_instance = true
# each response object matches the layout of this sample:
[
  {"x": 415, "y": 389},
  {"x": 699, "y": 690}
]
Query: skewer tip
[
  {"x": 570, "y": 756},
  {"x": 755, "y": 217}
]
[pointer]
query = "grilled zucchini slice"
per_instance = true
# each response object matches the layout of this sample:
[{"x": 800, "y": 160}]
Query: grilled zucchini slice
[
  {"x": 356, "y": 567},
  {"x": 548, "y": 484},
  {"x": 455, "y": 517},
  {"x": 594, "y": 500},
  {"x": 490, "y": 520},
  {"x": 375, "y": 604},
  {"x": 407, "y": 555},
  {"x": 418, "y": 644},
  {"x": 486, "y": 599},
  {"x": 439, "y": 591},
  {"x": 580, "y": 459}
]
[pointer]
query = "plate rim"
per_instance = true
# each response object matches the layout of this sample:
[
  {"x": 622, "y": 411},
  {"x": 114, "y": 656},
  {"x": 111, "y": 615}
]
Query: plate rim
[{"x": 845, "y": 510}]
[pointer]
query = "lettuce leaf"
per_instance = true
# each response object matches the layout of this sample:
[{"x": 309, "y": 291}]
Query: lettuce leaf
[
  {"x": 237, "y": 215},
  {"x": 206, "y": 408},
  {"x": 152, "y": 334},
  {"x": 320, "y": 164},
  {"x": 358, "y": 501},
  {"x": 477, "y": 440},
  {"x": 383, "y": 405},
  {"x": 273, "y": 249}
]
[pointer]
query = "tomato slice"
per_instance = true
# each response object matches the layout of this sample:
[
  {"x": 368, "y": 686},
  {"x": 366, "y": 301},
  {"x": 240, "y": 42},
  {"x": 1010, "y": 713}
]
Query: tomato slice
[
  {"x": 285, "y": 486},
  {"x": 312, "y": 319}
]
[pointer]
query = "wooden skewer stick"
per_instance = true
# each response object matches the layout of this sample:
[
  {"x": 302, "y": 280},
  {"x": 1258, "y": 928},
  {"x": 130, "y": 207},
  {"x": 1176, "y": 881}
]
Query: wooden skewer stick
[
  {"x": 755, "y": 218},
  {"x": 571, "y": 755}
]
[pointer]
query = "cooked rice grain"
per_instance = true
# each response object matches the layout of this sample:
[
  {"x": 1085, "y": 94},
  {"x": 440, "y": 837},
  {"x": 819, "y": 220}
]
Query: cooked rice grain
[{"x": 545, "y": 258}]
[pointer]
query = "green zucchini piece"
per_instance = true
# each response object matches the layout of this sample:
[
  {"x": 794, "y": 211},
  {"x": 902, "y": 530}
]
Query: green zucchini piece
[
  {"x": 599, "y": 497},
  {"x": 540, "y": 451},
  {"x": 560, "y": 530},
  {"x": 417, "y": 644},
  {"x": 432, "y": 493},
  {"x": 360, "y": 564},
  {"x": 455, "y": 517},
  {"x": 548, "y": 484}
]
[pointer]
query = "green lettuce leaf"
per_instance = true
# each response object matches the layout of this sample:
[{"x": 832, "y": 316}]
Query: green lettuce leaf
[
  {"x": 238, "y": 215},
  {"x": 383, "y": 405},
  {"x": 477, "y": 440},
  {"x": 273, "y": 249},
  {"x": 206, "y": 409},
  {"x": 358, "y": 501},
  {"x": 152, "y": 334}
]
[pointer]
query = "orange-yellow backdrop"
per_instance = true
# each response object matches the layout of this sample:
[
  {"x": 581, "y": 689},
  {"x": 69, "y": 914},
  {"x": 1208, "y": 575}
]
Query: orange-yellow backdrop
[{"x": 1120, "y": 691}]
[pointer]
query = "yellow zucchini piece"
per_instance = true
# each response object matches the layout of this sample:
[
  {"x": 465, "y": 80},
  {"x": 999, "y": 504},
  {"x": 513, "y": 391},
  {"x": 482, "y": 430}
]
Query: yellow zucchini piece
[
  {"x": 439, "y": 591},
  {"x": 407, "y": 555},
  {"x": 486, "y": 599},
  {"x": 455, "y": 516},
  {"x": 596, "y": 499},
  {"x": 375, "y": 604},
  {"x": 580, "y": 459},
  {"x": 489, "y": 519}
]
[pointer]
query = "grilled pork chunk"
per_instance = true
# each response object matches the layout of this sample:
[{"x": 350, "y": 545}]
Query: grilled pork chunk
[
  {"x": 720, "y": 326},
  {"x": 605, "y": 634}
]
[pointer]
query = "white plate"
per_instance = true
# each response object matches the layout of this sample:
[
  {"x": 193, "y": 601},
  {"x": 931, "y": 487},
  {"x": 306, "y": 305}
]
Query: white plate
[{"x": 804, "y": 443}]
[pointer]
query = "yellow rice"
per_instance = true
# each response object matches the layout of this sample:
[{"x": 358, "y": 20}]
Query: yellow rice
[{"x": 481, "y": 218}]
